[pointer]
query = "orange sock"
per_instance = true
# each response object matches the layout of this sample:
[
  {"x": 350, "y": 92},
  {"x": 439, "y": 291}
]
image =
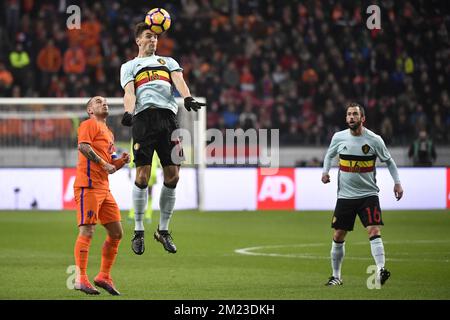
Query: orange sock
[
  {"x": 109, "y": 253},
  {"x": 81, "y": 253}
]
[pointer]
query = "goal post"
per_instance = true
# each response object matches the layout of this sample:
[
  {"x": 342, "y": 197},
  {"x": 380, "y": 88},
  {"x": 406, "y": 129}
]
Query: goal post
[
  {"x": 41, "y": 132},
  {"x": 194, "y": 124}
]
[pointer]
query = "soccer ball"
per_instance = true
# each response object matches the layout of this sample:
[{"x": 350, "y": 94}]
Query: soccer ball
[{"x": 158, "y": 19}]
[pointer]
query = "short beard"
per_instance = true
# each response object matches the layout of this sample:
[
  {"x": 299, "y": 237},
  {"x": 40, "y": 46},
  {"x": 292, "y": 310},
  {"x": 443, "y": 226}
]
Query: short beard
[{"x": 355, "y": 126}]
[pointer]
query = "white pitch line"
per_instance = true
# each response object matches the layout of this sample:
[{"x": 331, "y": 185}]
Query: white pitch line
[{"x": 250, "y": 251}]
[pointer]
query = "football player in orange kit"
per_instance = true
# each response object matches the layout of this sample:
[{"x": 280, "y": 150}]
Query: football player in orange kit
[{"x": 96, "y": 160}]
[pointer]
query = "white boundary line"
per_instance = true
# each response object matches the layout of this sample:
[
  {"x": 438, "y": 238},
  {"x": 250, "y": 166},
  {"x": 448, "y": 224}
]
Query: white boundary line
[{"x": 250, "y": 251}]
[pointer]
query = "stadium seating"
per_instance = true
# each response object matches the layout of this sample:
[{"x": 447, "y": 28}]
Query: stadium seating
[{"x": 290, "y": 66}]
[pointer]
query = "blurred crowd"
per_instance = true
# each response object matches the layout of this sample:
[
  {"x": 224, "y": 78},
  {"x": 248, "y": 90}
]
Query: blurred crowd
[{"x": 290, "y": 65}]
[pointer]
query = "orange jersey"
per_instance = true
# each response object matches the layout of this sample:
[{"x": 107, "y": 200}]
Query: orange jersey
[{"x": 101, "y": 140}]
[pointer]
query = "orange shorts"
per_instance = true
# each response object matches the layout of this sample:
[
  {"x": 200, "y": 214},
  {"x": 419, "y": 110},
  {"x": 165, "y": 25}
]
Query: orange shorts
[{"x": 96, "y": 204}]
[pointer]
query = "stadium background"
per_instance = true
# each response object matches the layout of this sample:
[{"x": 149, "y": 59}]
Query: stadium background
[
  {"x": 263, "y": 64},
  {"x": 289, "y": 65}
]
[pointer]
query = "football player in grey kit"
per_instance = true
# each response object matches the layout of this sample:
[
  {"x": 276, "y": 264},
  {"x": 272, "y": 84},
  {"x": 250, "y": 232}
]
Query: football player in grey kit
[
  {"x": 358, "y": 148},
  {"x": 150, "y": 108}
]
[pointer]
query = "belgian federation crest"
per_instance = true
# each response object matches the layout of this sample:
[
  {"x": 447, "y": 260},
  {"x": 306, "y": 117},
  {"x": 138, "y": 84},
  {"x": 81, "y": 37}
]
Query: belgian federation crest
[
  {"x": 365, "y": 148},
  {"x": 162, "y": 61}
]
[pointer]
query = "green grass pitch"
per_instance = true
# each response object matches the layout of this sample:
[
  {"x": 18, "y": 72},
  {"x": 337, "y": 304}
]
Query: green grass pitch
[{"x": 288, "y": 257}]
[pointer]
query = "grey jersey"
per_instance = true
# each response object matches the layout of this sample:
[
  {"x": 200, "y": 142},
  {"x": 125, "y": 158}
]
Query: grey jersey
[
  {"x": 152, "y": 82},
  {"x": 357, "y": 159}
]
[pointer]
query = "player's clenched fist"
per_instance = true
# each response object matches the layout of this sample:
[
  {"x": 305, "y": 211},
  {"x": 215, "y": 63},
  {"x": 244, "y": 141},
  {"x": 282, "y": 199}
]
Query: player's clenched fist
[
  {"x": 127, "y": 119},
  {"x": 126, "y": 157},
  {"x": 325, "y": 178}
]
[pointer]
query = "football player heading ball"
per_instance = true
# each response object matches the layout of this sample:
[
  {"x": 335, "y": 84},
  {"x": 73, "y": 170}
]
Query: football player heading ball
[{"x": 150, "y": 108}]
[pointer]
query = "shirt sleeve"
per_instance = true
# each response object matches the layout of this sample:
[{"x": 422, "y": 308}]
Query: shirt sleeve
[
  {"x": 87, "y": 132},
  {"x": 392, "y": 167},
  {"x": 381, "y": 150},
  {"x": 173, "y": 65},
  {"x": 331, "y": 153},
  {"x": 126, "y": 74}
]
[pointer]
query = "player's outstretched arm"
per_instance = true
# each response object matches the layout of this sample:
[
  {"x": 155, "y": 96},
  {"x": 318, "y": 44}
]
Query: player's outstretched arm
[
  {"x": 90, "y": 154},
  {"x": 189, "y": 102},
  {"x": 129, "y": 102}
]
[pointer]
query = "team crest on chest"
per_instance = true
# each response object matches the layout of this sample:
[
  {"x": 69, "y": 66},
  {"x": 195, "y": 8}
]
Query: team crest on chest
[
  {"x": 162, "y": 61},
  {"x": 365, "y": 148}
]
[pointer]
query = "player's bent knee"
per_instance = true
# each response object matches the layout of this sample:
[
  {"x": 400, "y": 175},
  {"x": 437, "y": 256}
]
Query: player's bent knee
[
  {"x": 373, "y": 231},
  {"x": 116, "y": 235},
  {"x": 141, "y": 180},
  {"x": 141, "y": 183},
  {"x": 87, "y": 231},
  {"x": 339, "y": 235},
  {"x": 143, "y": 176},
  {"x": 172, "y": 181}
]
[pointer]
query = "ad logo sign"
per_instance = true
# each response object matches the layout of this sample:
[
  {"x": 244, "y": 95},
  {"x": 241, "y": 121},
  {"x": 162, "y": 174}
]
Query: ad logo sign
[{"x": 276, "y": 192}]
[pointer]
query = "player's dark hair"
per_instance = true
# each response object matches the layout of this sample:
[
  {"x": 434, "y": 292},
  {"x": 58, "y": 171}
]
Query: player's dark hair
[
  {"x": 354, "y": 105},
  {"x": 88, "y": 104},
  {"x": 140, "y": 27}
]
